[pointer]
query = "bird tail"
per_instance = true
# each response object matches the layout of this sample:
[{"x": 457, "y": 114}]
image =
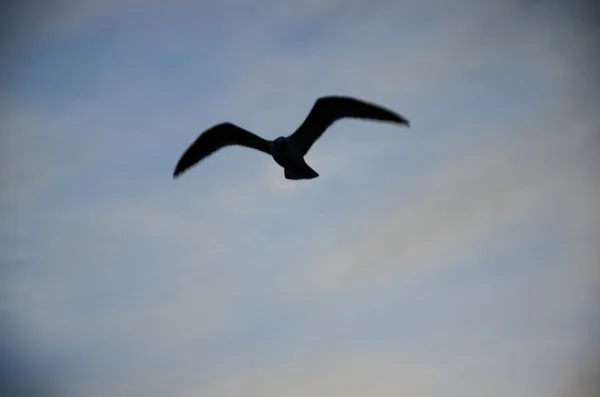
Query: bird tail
[{"x": 306, "y": 173}]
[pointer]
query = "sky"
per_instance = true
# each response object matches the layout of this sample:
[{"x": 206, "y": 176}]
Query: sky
[{"x": 457, "y": 257}]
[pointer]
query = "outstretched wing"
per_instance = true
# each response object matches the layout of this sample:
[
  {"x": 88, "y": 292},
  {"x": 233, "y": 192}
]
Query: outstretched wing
[
  {"x": 215, "y": 138},
  {"x": 327, "y": 110}
]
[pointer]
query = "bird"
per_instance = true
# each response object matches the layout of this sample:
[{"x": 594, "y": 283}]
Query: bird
[{"x": 287, "y": 151}]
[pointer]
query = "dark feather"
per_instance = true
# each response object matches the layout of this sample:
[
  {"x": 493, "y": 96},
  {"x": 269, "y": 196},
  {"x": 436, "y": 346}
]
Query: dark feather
[
  {"x": 328, "y": 110},
  {"x": 215, "y": 138}
]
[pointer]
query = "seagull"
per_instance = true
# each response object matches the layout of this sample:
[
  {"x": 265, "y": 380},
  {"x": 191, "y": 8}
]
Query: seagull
[{"x": 288, "y": 151}]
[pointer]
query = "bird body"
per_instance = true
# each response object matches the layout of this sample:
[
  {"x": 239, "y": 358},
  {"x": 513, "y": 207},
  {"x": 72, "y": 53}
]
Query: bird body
[
  {"x": 288, "y": 151},
  {"x": 288, "y": 155}
]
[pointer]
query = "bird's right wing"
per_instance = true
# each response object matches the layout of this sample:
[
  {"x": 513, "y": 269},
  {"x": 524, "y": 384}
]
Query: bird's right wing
[
  {"x": 215, "y": 138},
  {"x": 327, "y": 110}
]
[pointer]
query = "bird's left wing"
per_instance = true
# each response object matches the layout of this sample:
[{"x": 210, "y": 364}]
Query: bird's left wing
[
  {"x": 215, "y": 138},
  {"x": 327, "y": 110}
]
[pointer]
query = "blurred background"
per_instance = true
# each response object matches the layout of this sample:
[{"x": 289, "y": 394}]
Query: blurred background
[{"x": 458, "y": 257}]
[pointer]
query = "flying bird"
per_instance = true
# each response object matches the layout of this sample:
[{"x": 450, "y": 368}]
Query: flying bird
[{"x": 288, "y": 151}]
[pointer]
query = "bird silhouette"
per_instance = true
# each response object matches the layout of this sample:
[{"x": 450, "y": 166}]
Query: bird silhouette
[{"x": 288, "y": 151}]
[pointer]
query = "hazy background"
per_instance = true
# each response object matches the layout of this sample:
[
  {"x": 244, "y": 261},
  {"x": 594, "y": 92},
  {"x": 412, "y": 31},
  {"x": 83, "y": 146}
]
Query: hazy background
[{"x": 459, "y": 257}]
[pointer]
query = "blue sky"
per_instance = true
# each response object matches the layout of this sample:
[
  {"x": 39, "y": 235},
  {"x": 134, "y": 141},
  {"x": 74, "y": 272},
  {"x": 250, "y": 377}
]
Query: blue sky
[{"x": 455, "y": 258}]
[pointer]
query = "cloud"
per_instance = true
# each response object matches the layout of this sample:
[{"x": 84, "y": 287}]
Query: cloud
[
  {"x": 30, "y": 164},
  {"x": 484, "y": 190},
  {"x": 351, "y": 374},
  {"x": 235, "y": 280}
]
